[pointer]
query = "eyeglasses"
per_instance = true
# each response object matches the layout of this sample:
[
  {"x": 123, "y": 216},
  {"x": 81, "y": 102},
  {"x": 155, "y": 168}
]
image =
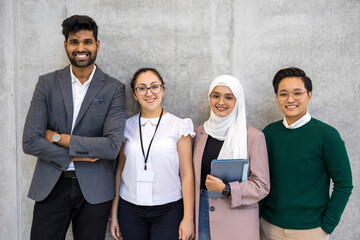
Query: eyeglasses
[
  {"x": 296, "y": 95},
  {"x": 142, "y": 90}
]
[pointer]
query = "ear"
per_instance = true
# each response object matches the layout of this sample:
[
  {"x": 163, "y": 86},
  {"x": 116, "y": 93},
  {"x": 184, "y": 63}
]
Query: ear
[
  {"x": 309, "y": 96},
  {"x": 65, "y": 45},
  {"x": 134, "y": 95},
  {"x": 97, "y": 45}
]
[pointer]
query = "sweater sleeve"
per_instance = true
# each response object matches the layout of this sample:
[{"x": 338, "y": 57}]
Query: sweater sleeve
[
  {"x": 338, "y": 166},
  {"x": 257, "y": 186}
]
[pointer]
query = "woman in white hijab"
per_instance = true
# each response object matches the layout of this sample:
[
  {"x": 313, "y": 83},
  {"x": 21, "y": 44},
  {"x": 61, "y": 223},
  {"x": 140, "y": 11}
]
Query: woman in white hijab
[{"x": 225, "y": 135}]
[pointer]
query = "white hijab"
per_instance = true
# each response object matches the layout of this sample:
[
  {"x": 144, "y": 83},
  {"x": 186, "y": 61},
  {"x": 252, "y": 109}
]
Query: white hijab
[{"x": 231, "y": 128}]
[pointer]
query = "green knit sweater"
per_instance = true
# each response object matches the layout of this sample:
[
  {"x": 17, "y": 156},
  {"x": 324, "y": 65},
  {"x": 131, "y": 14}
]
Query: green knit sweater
[{"x": 302, "y": 162}]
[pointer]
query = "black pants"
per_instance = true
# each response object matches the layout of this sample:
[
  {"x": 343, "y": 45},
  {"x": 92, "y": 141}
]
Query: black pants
[
  {"x": 66, "y": 203},
  {"x": 150, "y": 223}
]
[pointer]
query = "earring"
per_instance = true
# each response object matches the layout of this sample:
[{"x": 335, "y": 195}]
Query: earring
[{"x": 135, "y": 106}]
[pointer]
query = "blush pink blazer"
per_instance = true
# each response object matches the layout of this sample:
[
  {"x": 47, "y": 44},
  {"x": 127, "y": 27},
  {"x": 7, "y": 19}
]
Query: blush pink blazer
[{"x": 236, "y": 217}]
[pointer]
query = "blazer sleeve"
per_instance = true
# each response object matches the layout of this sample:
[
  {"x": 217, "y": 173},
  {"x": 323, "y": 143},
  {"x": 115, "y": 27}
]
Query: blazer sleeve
[
  {"x": 107, "y": 146},
  {"x": 35, "y": 127},
  {"x": 257, "y": 186}
]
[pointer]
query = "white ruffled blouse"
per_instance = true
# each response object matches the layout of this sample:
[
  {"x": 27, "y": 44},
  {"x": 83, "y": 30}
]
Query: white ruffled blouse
[{"x": 163, "y": 159}]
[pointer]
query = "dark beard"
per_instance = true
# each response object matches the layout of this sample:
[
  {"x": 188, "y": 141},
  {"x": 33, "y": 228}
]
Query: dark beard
[{"x": 81, "y": 64}]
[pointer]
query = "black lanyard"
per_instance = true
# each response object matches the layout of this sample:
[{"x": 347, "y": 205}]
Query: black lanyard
[{"x": 141, "y": 141}]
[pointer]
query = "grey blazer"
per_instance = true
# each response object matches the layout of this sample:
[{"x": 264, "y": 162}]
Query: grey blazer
[{"x": 98, "y": 133}]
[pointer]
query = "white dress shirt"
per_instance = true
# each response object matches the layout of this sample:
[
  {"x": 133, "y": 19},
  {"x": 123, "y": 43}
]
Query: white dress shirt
[
  {"x": 78, "y": 92},
  {"x": 299, "y": 123},
  {"x": 163, "y": 159}
]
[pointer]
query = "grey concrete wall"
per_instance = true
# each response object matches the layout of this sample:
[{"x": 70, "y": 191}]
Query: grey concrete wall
[
  {"x": 321, "y": 37},
  {"x": 190, "y": 43},
  {"x": 8, "y": 126}
]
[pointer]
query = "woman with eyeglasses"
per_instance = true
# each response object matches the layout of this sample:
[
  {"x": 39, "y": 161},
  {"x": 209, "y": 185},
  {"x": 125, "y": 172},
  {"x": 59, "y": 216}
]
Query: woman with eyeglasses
[
  {"x": 154, "y": 176},
  {"x": 225, "y": 135},
  {"x": 304, "y": 155}
]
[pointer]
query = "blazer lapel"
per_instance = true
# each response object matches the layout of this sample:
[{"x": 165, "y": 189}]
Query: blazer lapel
[
  {"x": 95, "y": 86},
  {"x": 198, "y": 153},
  {"x": 66, "y": 91}
]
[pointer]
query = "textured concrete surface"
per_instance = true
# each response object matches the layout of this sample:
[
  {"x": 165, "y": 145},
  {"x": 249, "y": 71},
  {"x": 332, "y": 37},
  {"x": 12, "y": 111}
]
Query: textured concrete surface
[
  {"x": 321, "y": 37},
  {"x": 190, "y": 43},
  {"x": 9, "y": 179}
]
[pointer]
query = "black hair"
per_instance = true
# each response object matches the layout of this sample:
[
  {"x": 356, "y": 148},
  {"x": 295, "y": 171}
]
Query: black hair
[
  {"x": 143, "y": 70},
  {"x": 76, "y": 23},
  {"x": 291, "y": 72}
]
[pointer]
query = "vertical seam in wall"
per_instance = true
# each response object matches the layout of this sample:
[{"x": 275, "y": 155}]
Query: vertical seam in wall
[
  {"x": 231, "y": 37},
  {"x": 176, "y": 62},
  {"x": 16, "y": 97},
  {"x": 65, "y": 10}
]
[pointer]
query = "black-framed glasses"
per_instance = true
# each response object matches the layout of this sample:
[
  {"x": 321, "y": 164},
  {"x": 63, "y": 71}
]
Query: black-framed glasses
[
  {"x": 155, "y": 89},
  {"x": 296, "y": 95}
]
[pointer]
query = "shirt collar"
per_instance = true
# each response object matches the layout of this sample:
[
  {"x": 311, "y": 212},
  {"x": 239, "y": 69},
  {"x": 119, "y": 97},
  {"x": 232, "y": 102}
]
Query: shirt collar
[
  {"x": 299, "y": 123},
  {"x": 74, "y": 79},
  {"x": 152, "y": 121},
  {"x": 145, "y": 121}
]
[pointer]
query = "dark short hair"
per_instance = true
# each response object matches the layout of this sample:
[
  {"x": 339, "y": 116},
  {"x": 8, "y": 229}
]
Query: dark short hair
[
  {"x": 291, "y": 72},
  {"x": 143, "y": 70},
  {"x": 76, "y": 23}
]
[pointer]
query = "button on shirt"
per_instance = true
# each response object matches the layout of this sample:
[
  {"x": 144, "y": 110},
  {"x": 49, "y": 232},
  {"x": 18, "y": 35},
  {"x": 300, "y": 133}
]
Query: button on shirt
[
  {"x": 163, "y": 157},
  {"x": 299, "y": 123},
  {"x": 78, "y": 92}
]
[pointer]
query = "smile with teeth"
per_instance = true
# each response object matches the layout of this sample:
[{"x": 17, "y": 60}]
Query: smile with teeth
[
  {"x": 290, "y": 107},
  {"x": 81, "y": 56},
  {"x": 150, "y": 100},
  {"x": 221, "y": 108}
]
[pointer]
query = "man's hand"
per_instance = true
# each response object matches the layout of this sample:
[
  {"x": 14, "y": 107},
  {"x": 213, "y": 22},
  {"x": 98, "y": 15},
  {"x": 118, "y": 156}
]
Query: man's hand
[{"x": 84, "y": 159}]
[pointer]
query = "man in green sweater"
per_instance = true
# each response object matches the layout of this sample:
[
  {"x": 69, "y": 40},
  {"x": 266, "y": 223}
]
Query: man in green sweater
[{"x": 304, "y": 155}]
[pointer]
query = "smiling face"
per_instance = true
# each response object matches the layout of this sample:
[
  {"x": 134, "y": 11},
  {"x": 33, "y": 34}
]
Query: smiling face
[
  {"x": 81, "y": 48},
  {"x": 150, "y": 102},
  {"x": 222, "y": 101},
  {"x": 293, "y": 109}
]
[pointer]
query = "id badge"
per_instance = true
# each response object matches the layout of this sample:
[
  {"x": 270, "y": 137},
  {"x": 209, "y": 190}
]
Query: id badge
[
  {"x": 144, "y": 182},
  {"x": 145, "y": 176}
]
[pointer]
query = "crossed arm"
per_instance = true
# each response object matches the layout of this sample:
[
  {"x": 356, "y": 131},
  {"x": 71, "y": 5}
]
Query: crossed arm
[
  {"x": 59, "y": 155},
  {"x": 65, "y": 142}
]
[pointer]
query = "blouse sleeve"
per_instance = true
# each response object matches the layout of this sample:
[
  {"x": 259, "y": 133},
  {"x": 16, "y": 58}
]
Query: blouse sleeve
[{"x": 186, "y": 128}]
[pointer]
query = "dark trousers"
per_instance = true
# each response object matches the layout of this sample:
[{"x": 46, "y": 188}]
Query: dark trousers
[
  {"x": 66, "y": 203},
  {"x": 150, "y": 222}
]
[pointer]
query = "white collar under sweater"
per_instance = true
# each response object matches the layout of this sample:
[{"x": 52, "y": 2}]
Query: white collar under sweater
[{"x": 301, "y": 122}]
